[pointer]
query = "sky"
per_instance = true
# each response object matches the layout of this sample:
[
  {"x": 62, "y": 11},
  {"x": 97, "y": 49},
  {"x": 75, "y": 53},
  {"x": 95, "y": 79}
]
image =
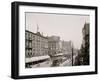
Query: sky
[{"x": 66, "y": 26}]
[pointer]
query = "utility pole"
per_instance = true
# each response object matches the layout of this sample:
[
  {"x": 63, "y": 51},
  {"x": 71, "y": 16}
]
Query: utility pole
[{"x": 72, "y": 53}]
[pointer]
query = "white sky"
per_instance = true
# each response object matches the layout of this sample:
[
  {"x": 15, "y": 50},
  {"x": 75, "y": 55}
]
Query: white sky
[{"x": 68, "y": 27}]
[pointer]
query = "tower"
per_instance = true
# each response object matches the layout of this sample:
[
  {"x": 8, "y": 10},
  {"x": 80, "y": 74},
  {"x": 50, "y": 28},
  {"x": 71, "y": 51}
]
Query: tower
[{"x": 37, "y": 28}]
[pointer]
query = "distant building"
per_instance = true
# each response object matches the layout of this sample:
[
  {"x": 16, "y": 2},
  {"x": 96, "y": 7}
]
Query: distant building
[
  {"x": 66, "y": 47},
  {"x": 35, "y": 44},
  {"x": 53, "y": 45},
  {"x": 60, "y": 46}
]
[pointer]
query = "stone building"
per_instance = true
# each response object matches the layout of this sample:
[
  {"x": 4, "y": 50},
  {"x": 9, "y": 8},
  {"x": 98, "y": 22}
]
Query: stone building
[
  {"x": 53, "y": 45},
  {"x": 66, "y": 47},
  {"x": 84, "y": 57},
  {"x": 35, "y": 44}
]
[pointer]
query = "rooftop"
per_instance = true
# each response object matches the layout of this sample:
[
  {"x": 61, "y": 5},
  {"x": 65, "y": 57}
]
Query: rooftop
[{"x": 38, "y": 33}]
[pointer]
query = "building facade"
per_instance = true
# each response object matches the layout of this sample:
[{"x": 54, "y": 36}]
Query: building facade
[
  {"x": 85, "y": 45},
  {"x": 85, "y": 32},
  {"x": 53, "y": 45},
  {"x": 66, "y": 47},
  {"x": 35, "y": 44}
]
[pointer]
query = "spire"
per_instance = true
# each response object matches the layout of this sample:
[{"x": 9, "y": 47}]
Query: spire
[{"x": 37, "y": 28}]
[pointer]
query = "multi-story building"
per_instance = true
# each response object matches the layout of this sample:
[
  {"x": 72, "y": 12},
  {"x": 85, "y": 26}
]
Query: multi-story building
[
  {"x": 35, "y": 44},
  {"x": 66, "y": 47},
  {"x": 85, "y": 45},
  {"x": 53, "y": 45},
  {"x": 85, "y": 32}
]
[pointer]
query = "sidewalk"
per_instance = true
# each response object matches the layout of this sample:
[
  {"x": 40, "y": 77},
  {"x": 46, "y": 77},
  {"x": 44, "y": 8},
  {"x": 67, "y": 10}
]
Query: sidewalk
[{"x": 32, "y": 59}]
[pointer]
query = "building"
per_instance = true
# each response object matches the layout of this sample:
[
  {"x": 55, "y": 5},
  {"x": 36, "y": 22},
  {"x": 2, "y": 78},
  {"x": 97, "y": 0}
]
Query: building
[
  {"x": 85, "y": 45},
  {"x": 66, "y": 47},
  {"x": 35, "y": 44},
  {"x": 60, "y": 46},
  {"x": 85, "y": 33},
  {"x": 53, "y": 45}
]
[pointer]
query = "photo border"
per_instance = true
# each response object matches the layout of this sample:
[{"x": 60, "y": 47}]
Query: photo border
[{"x": 15, "y": 39}]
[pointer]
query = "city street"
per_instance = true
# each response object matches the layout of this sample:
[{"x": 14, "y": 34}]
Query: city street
[{"x": 54, "y": 61}]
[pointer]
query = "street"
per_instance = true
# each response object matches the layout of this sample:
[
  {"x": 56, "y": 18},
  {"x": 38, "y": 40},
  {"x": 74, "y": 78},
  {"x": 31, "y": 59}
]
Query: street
[{"x": 54, "y": 61}]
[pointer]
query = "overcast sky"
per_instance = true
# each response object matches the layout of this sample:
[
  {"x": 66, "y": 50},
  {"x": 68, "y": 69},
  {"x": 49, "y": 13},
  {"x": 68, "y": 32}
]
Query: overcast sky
[{"x": 68, "y": 27}]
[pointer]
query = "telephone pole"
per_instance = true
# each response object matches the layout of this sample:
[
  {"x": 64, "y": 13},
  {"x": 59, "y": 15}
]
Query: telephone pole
[{"x": 72, "y": 53}]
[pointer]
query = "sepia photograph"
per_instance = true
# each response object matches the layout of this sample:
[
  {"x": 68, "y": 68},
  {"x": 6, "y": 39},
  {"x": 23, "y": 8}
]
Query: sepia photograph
[
  {"x": 50, "y": 40},
  {"x": 56, "y": 40}
]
